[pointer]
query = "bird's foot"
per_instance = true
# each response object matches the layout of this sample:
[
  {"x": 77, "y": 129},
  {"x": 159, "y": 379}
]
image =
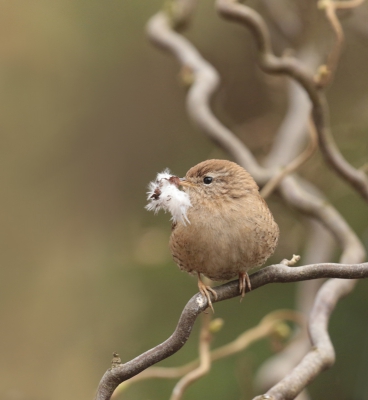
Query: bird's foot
[
  {"x": 244, "y": 282},
  {"x": 204, "y": 289}
]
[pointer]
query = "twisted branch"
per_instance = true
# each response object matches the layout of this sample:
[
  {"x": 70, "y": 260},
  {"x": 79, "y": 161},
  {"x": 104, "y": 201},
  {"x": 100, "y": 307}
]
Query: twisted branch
[{"x": 278, "y": 273}]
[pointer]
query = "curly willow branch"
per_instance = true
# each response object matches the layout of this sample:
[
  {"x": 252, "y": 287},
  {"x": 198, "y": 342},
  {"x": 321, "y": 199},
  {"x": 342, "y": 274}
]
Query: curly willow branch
[
  {"x": 290, "y": 66},
  {"x": 278, "y": 273}
]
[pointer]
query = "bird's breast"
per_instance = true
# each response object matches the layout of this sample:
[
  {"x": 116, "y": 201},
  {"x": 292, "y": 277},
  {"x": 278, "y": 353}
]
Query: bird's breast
[{"x": 220, "y": 244}]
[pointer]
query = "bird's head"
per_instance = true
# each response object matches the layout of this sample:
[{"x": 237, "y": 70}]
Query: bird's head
[{"x": 218, "y": 179}]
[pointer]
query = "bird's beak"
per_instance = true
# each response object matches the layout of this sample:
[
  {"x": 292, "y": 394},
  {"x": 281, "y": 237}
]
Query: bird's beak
[{"x": 185, "y": 183}]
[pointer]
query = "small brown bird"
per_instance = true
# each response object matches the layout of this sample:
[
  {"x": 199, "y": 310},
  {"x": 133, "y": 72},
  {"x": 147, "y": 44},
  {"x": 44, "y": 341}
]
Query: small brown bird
[{"x": 225, "y": 228}]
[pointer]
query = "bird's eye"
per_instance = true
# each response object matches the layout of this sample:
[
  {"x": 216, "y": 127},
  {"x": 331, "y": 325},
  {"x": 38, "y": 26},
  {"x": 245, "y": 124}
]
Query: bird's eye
[{"x": 207, "y": 180}]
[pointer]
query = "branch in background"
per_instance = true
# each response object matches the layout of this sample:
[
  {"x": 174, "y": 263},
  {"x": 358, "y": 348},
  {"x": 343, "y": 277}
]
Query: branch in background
[
  {"x": 278, "y": 273},
  {"x": 292, "y": 132},
  {"x": 290, "y": 66},
  {"x": 272, "y": 184},
  {"x": 326, "y": 72}
]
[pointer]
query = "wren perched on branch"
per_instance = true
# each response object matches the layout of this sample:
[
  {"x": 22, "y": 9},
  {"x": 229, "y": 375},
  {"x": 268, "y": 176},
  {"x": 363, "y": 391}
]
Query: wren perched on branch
[{"x": 222, "y": 227}]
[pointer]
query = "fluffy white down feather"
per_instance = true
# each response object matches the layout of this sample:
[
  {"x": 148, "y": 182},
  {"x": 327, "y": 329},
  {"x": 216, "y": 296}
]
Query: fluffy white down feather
[{"x": 165, "y": 195}]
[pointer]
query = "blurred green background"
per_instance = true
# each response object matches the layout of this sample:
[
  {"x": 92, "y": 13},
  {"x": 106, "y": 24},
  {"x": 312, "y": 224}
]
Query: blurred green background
[{"x": 90, "y": 111}]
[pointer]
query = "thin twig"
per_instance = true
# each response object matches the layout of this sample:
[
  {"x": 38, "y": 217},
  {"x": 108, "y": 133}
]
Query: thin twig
[
  {"x": 263, "y": 329},
  {"x": 327, "y": 71}
]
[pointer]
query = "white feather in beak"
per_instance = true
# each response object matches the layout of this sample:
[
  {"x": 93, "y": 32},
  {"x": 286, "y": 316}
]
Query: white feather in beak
[{"x": 164, "y": 194}]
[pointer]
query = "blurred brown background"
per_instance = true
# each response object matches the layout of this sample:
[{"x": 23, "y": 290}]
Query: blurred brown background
[{"x": 89, "y": 113}]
